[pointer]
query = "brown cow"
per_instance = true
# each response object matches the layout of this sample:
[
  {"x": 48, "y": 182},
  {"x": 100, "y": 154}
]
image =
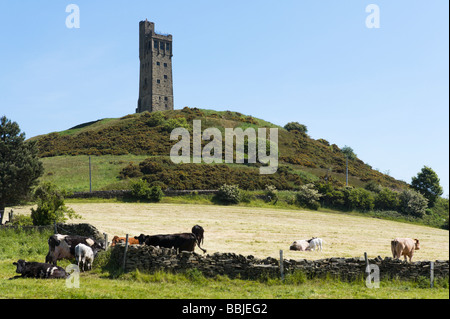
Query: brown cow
[
  {"x": 404, "y": 247},
  {"x": 117, "y": 239}
]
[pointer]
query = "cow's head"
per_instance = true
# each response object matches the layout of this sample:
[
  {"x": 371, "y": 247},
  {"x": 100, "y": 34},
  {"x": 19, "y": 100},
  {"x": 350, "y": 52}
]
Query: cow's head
[
  {"x": 141, "y": 238},
  {"x": 53, "y": 241},
  {"x": 198, "y": 231},
  {"x": 417, "y": 244},
  {"x": 293, "y": 246},
  {"x": 20, "y": 264}
]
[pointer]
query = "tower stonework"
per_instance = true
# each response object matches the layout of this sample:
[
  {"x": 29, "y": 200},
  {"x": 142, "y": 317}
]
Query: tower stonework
[{"x": 155, "y": 81}]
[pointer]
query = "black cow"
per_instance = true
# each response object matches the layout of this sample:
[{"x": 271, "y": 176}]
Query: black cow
[
  {"x": 63, "y": 246},
  {"x": 38, "y": 270},
  {"x": 181, "y": 242}
]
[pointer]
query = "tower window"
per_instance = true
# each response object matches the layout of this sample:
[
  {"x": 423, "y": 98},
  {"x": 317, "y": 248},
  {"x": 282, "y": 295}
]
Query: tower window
[
  {"x": 166, "y": 99},
  {"x": 165, "y": 77},
  {"x": 157, "y": 63},
  {"x": 155, "y": 44},
  {"x": 162, "y": 46},
  {"x": 158, "y": 81},
  {"x": 167, "y": 46},
  {"x": 165, "y": 65}
]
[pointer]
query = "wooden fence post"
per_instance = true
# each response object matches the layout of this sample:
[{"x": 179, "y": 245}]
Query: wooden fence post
[
  {"x": 106, "y": 240},
  {"x": 367, "y": 271},
  {"x": 125, "y": 253},
  {"x": 281, "y": 265},
  {"x": 431, "y": 274}
]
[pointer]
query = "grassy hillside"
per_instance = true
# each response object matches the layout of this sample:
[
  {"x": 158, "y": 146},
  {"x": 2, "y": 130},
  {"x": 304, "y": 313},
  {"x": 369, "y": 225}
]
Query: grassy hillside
[{"x": 302, "y": 159}]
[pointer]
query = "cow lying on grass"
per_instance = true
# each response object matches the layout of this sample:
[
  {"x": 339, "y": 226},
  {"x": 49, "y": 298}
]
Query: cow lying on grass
[
  {"x": 300, "y": 245},
  {"x": 38, "y": 270}
]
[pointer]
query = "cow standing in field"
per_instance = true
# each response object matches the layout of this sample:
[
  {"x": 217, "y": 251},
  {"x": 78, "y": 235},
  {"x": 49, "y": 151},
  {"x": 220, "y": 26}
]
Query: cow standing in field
[
  {"x": 84, "y": 257},
  {"x": 315, "y": 243},
  {"x": 404, "y": 247},
  {"x": 63, "y": 246},
  {"x": 38, "y": 270},
  {"x": 181, "y": 242},
  {"x": 117, "y": 239}
]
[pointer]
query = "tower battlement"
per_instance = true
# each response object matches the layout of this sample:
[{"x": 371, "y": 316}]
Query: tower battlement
[{"x": 155, "y": 80}]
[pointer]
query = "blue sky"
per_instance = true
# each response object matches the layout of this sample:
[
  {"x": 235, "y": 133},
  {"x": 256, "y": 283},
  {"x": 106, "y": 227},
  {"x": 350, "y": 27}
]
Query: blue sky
[{"x": 384, "y": 92}]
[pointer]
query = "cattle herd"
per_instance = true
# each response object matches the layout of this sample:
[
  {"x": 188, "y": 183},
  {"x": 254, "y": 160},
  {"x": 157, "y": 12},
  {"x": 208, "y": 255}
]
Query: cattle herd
[
  {"x": 400, "y": 246},
  {"x": 84, "y": 249}
]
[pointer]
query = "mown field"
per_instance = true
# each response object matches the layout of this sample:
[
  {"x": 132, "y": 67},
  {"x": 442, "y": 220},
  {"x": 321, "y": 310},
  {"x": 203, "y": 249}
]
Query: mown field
[{"x": 258, "y": 231}]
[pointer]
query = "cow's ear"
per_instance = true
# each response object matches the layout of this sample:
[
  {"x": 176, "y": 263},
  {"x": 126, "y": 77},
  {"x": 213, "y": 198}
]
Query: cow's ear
[{"x": 14, "y": 263}]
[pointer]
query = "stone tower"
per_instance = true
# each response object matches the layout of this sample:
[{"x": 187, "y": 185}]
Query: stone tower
[{"x": 155, "y": 83}]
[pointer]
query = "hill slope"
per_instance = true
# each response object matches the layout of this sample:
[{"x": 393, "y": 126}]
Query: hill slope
[{"x": 149, "y": 134}]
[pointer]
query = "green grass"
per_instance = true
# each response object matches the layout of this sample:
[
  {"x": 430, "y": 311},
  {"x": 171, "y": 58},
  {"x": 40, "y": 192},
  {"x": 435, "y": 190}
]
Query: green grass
[
  {"x": 101, "y": 284},
  {"x": 72, "y": 172}
]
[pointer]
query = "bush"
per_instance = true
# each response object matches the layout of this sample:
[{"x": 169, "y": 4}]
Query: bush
[
  {"x": 359, "y": 199},
  {"x": 50, "y": 206},
  {"x": 412, "y": 203},
  {"x": 142, "y": 190},
  {"x": 155, "y": 119},
  {"x": 386, "y": 199},
  {"x": 295, "y": 126},
  {"x": 271, "y": 193},
  {"x": 174, "y": 123},
  {"x": 308, "y": 197},
  {"x": 229, "y": 194},
  {"x": 22, "y": 220}
]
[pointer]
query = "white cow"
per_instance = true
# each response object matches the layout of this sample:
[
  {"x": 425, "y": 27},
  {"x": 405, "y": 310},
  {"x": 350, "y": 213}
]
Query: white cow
[
  {"x": 315, "y": 243},
  {"x": 84, "y": 256}
]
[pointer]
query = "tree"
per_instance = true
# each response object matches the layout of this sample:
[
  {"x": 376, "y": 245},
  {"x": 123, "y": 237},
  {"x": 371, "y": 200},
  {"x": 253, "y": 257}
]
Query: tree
[
  {"x": 307, "y": 196},
  {"x": 19, "y": 165},
  {"x": 427, "y": 183},
  {"x": 349, "y": 155},
  {"x": 50, "y": 206},
  {"x": 412, "y": 203},
  {"x": 296, "y": 126},
  {"x": 348, "y": 152}
]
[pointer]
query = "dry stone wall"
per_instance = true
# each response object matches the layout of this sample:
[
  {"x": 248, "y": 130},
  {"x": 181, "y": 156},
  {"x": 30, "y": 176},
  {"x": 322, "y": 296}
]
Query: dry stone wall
[{"x": 151, "y": 258}]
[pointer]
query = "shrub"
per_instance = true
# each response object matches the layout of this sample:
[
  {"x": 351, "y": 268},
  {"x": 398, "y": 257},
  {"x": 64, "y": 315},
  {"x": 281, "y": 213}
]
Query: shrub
[
  {"x": 412, "y": 203},
  {"x": 271, "y": 193},
  {"x": 386, "y": 199},
  {"x": 155, "y": 119},
  {"x": 373, "y": 187},
  {"x": 308, "y": 197},
  {"x": 130, "y": 171},
  {"x": 360, "y": 199},
  {"x": 50, "y": 206},
  {"x": 22, "y": 220},
  {"x": 229, "y": 194},
  {"x": 174, "y": 123},
  {"x": 295, "y": 126},
  {"x": 142, "y": 190}
]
